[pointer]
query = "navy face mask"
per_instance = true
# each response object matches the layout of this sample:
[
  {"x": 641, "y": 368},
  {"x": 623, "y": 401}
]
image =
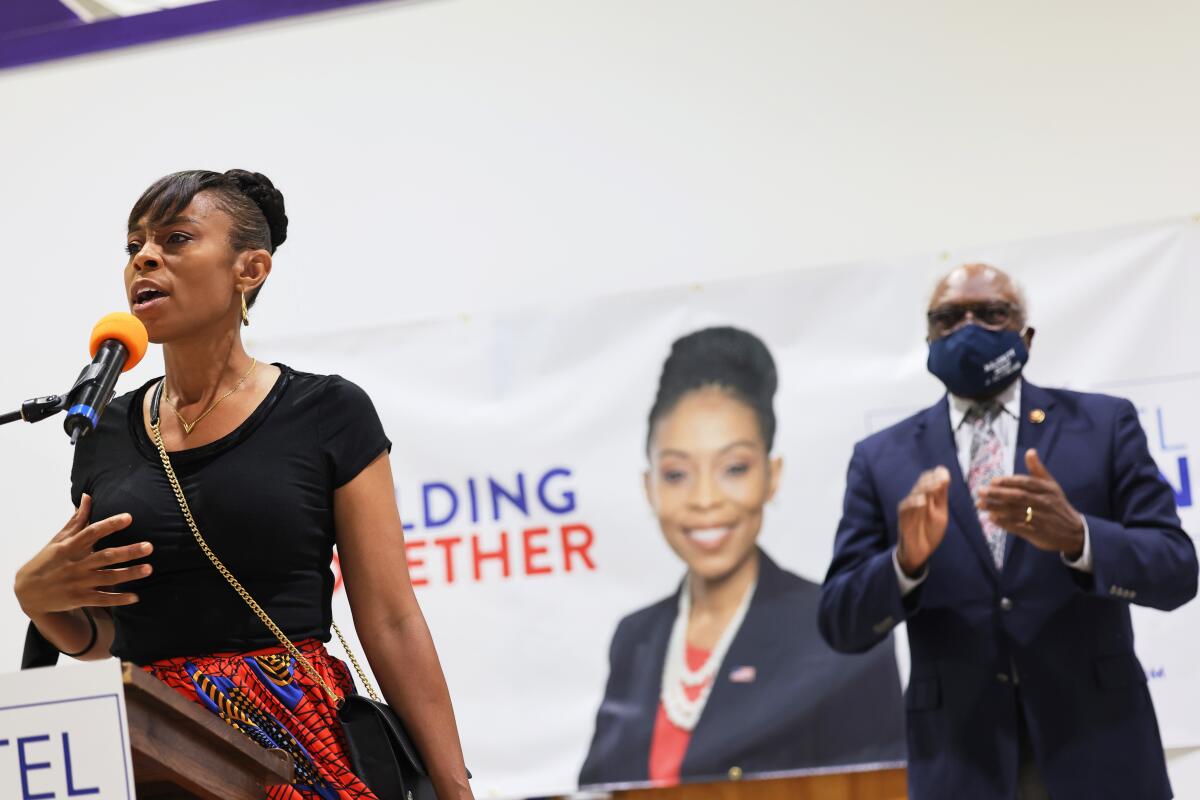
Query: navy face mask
[{"x": 978, "y": 362}]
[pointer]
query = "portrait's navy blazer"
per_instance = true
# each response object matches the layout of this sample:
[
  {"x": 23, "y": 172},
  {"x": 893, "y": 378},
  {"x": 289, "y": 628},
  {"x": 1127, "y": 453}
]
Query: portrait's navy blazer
[
  {"x": 1037, "y": 633},
  {"x": 807, "y": 706}
]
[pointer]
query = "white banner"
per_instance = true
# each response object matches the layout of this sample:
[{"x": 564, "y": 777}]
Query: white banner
[{"x": 520, "y": 452}]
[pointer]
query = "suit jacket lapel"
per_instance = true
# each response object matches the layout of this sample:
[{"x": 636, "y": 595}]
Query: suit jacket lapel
[
  {"x": 935, "y": 443},
  {"x": 1039, "y": 435},
  {"x": 1038, "y": 429}
]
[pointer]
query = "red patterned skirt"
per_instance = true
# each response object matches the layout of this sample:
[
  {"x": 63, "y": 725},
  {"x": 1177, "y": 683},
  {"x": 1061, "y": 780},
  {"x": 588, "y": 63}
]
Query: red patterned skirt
[{"x": 270, "y": 698}]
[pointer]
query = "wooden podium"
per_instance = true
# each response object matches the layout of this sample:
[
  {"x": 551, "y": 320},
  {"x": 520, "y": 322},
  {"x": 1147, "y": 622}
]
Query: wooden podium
[{"x": 180, "y": 750}]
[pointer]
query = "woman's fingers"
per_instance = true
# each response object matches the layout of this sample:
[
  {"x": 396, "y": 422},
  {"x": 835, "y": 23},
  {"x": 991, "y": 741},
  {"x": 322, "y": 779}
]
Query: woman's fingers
[
  {"x": 118, "y": 555},
  {"x": 98, "y": 530},
  {"x": 77, "y": 521},
  {"x": 112, "y": 577},
  {"x": 107, "y": 599},
  {"x": 82, "y": 511}
]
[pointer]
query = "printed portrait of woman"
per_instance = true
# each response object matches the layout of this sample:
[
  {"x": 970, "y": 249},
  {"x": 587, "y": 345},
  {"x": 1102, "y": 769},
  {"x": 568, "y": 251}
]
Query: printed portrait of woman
[{"x": 728, "y": 675}]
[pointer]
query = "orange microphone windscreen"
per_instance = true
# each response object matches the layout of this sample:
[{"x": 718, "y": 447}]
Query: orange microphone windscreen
[{"x": 126, "y": 329}]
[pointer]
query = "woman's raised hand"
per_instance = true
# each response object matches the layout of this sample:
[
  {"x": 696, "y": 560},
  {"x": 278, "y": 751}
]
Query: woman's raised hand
[{"x": 67, "y": 574}]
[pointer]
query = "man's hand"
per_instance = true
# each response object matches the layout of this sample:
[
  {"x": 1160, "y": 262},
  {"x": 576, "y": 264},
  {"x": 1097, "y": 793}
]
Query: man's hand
[
  {"x": 923, "y": 517},
  {"x": 1035, "y": 508}
]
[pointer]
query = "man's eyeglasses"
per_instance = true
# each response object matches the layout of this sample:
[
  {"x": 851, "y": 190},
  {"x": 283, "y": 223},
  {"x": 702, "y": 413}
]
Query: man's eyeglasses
[{"x": 991, "y": 315}]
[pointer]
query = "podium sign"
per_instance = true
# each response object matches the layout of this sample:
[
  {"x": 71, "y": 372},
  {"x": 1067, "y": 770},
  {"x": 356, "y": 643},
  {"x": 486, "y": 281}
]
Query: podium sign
[{"x": 64, "y": 734}]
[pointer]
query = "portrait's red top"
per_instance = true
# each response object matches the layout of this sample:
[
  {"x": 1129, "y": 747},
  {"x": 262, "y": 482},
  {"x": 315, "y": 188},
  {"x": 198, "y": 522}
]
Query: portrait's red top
[{"x": 670, "y": 742}]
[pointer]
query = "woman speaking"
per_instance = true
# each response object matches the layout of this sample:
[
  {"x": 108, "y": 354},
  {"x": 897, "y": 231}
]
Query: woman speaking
[
  {"x": 729, "y": 675},
  {"x": 278, "y": 466}
]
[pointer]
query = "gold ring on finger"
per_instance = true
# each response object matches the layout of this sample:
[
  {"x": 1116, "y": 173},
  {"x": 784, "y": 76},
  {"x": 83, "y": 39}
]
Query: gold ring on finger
[{"x": 1028, "y": 515}]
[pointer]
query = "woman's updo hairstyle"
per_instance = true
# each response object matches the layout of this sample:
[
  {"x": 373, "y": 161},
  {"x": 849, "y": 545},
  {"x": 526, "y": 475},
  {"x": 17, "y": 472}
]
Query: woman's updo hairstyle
[
  {"x": 729, "y": 358},
  {"x": 249, "y": 198}
]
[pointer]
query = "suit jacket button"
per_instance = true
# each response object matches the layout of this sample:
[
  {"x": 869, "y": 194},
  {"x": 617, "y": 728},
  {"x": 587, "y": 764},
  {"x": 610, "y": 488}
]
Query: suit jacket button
[
  {"x": 735, "y": 773},
  {"x": 1006, "y": 604}
]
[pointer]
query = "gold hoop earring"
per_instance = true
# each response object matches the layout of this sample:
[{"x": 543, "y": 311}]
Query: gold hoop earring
[{"x": 245, "y": 311}]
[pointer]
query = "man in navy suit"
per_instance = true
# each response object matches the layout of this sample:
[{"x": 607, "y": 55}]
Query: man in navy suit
[{"x": 1011, "y": 526}]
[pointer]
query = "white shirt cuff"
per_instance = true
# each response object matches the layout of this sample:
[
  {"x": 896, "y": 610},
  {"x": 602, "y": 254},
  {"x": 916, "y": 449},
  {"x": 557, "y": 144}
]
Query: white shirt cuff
[
  {"x": 907, "y": 584},
  {"x": 1084, "y": 562}
]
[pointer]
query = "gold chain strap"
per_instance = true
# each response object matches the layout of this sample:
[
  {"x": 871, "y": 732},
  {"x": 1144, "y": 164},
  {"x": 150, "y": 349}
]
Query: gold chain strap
[
  {"x": 362, "y": 676},
  {"x": 245, "y": 595}
]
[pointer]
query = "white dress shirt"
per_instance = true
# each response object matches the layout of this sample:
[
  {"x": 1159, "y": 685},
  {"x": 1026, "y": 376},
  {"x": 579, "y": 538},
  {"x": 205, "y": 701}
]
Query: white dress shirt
[{"x": 1006, "y": 426}]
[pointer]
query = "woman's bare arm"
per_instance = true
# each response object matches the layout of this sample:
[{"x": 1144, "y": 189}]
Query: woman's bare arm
[
  {"x": 70, "y": 632},
  {"x": 391, "y": 626}
]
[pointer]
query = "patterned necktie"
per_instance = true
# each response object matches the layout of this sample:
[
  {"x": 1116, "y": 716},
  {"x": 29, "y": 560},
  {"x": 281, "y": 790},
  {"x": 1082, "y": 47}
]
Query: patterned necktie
[{"x": 987, "y": 462}]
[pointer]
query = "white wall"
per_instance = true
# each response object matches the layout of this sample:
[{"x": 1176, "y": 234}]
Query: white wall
[{"x": 446, "y": 156}]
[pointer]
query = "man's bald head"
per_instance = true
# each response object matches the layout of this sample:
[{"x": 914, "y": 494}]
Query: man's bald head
[
  {"x": 971, "y": 287},
  {"x": 978, "y": 283}
]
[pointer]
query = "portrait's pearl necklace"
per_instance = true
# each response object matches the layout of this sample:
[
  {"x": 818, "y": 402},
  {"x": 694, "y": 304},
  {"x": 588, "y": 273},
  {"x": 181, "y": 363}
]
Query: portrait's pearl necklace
[{"x": 683, "y": 711}]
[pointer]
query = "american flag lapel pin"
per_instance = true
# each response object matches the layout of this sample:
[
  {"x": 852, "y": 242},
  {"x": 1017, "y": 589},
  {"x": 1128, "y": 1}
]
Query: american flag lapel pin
[{"x": 745, "y": 674}]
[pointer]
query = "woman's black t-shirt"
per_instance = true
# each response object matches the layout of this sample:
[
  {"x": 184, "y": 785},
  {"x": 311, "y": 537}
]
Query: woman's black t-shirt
[{"x": 262, "y": 497}]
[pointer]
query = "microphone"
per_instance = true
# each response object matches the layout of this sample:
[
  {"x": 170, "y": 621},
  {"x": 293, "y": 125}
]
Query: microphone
[{"x": 117, "y": 344}]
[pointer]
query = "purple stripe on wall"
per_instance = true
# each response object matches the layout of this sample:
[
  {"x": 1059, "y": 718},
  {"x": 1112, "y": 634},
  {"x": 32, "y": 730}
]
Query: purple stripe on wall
[
  {"x": 51, "y": 36},
  {"x": 32, "y": 15}
]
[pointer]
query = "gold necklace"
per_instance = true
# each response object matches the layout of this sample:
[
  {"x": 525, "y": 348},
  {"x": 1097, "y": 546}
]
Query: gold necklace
[{"x": 188, "y": 426}]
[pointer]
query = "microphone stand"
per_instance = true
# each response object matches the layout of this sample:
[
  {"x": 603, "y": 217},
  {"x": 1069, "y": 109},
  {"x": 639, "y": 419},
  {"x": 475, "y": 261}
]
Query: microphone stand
[
  {"x": 40, "y": 408},
  {"x": 37, "y": 409}
]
